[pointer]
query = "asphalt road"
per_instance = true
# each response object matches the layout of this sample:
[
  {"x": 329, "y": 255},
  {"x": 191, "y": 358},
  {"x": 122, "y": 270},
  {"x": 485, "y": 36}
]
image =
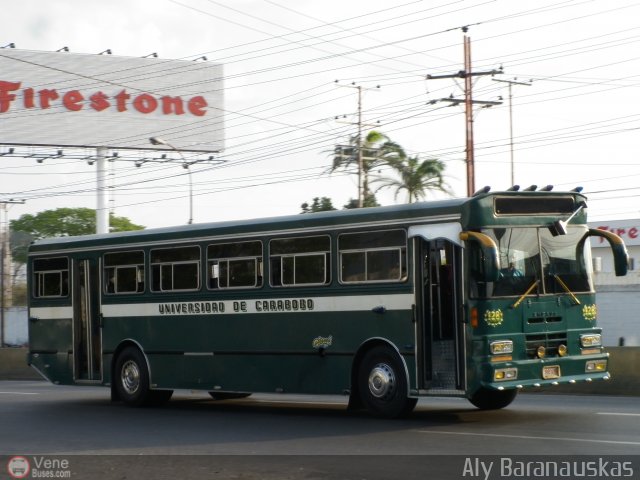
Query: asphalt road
[{"x": 287, "y": 436}]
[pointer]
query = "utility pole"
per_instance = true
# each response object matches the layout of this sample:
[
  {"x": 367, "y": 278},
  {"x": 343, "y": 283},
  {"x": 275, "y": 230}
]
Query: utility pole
[
  {"x": 361, "y": 173},
  {"x": 468, "y": 101},
  {"x": 510, "y": 83},
  {"x": 360, "y": 158},
  {"x": 5, "y": 263}
]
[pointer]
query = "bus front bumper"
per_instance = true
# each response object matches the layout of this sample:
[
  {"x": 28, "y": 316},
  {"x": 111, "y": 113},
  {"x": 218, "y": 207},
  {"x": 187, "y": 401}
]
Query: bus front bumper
[{"x": 547, "y": 371}]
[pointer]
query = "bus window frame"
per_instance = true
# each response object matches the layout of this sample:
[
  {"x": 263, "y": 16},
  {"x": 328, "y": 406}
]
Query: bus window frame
[
  {"x": 140, "y": 269},
  {"x": 403, "y": 272},
  {"x": 161, "y": 290},
  {"x": 327, "y": 262},
  {"x": 258, "y": 266},
  {"x": 39, "y": 274}
]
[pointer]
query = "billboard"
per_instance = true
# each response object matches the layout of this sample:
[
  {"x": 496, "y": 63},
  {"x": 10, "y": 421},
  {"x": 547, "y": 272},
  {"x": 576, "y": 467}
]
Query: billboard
[{"x": 83, "y": 100}]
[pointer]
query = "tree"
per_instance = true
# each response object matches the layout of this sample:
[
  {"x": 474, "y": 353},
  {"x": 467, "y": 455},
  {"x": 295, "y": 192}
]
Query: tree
[
  {"x": 61, "y": 222},
  {"x": 319, "y": 205},
  {"x": 377, "y": 150},
  {"x": 416, "y": 177},
  {"x": 369, "y": 201}
]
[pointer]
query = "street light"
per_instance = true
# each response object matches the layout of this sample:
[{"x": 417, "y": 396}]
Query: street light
[{"x": 185, "y": 164}]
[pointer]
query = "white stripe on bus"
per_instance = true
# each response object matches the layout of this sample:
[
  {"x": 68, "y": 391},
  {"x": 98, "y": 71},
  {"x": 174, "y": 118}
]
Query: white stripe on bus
[{"x": 300, "y": 304}]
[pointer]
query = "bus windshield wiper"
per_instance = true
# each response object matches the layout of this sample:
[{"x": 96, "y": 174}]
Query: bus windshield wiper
[
  {"x": 566, "y": 289},
  {"x": 524, "y": 295}
]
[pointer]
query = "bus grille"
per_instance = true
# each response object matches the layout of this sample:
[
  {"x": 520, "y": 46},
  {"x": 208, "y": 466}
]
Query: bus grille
[{"x": 550, "y": 341}]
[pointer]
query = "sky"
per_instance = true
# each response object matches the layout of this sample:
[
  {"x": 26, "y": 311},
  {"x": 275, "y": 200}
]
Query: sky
[{"x": 289, "y": 72}]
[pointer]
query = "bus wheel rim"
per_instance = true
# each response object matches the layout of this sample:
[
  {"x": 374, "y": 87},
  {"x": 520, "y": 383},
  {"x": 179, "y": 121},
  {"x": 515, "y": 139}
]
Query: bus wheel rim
[
  {"x": 130, "y": 377},
  {"x": 382, "y": 380}
]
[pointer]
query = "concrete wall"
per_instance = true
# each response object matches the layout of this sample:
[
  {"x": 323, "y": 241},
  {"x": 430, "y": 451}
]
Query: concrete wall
[
  {"x": 618, "y": 315},
  {"x": 624, "y": 365},
  {"x": 16, "y": 326}
]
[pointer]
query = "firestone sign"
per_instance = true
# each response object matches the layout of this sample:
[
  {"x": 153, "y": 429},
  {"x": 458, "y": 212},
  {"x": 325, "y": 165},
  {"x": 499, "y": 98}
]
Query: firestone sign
[
  {"x": 628, "y": 230},
  {"x": 75, "y": 100},
  {"x": 64, "y": 99}
]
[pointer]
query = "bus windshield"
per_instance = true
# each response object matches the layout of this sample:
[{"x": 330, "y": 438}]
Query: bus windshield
[{"x": 534, "y": 261}]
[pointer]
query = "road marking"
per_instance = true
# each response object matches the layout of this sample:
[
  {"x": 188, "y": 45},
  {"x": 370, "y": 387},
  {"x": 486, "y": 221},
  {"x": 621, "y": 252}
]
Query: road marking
[
  {"x": 620, "y": 414},
  {"x": 527, "y": 437},
  {"x": 19, "y": 393}
]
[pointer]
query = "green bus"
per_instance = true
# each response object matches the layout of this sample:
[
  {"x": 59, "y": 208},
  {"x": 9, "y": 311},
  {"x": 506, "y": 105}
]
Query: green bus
[{"x": 476, "y": 297}]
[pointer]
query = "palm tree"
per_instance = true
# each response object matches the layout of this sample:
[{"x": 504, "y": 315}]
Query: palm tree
[
  {"x": 377, "y": 149},
  {"x": 416, "y": 177}
]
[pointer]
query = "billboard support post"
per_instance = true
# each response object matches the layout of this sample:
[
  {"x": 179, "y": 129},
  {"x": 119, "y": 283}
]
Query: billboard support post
[{"x": 102, "y": 212}]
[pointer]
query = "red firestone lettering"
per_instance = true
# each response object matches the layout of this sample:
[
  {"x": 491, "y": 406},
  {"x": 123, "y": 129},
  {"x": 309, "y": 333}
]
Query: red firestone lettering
[
  {"x": 46, "y": 96},
  {"x": 633, "y": 232},
  {"x": 5, "y": 97},
  {"x": 172, "y": 105},
  {"x": 121, "y": 100},
  {"x": 197, "y": 106},
  {"x": 145, "y": 103},
  {"x": 73, "y": 100},
  {"x": 28, "y": 96},
  {"x": 99, "y": 101}
]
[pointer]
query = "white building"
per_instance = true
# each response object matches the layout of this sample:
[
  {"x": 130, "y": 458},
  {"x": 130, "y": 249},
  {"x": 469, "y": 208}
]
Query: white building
[{"x": 618, "y": 297}]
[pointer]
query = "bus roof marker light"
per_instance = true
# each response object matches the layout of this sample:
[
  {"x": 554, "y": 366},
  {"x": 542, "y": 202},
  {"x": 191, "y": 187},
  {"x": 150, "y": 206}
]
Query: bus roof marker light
[{"x": 482, "y": 191}]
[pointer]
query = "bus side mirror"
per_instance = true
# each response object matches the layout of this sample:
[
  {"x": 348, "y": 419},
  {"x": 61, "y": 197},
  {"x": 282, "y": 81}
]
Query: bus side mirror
[
  {"x": 620, "y": 255},
  {"x": 489, "y": 249}
]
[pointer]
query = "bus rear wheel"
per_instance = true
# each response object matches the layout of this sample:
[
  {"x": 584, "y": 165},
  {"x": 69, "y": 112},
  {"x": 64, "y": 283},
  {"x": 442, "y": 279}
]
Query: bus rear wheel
[
  {"x": 486, "y": 399},
  {"x": 382, "y": 384},
  {"x": 132, "y": 380}
]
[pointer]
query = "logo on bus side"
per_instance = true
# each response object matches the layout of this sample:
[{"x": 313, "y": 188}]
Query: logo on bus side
[{"x": 322, "y": 342}]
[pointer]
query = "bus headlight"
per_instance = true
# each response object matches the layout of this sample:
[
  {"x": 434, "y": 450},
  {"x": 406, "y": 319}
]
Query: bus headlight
[
  {"x": 595, "y": 366},
  {"x": 591, "y": 340},
  {"x": 503, "y": 374},
  {"x": 501, "y": 347}
]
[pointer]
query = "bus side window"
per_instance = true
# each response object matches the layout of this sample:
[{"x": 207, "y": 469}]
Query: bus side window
[
  {"x": 234, "y": 265},
  {"x": 300, "y": 261},
  {"x": 124, "y": 272},
  {"x": 50, "y": 277},
  {"x": 379, "y": 256},
  {"x": 175, "y": 269}
]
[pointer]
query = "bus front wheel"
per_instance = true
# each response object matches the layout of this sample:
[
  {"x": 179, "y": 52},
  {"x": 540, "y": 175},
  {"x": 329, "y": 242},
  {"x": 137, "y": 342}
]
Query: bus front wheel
[
  {"x": 382, "y": 384},
  {"x": 486, "y": 399},
  {"x": 132, "y": 380}
]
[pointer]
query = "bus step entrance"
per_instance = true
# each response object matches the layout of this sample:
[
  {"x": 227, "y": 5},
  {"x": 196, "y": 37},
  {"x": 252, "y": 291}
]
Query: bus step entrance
[{"x": 444, "y": 365}]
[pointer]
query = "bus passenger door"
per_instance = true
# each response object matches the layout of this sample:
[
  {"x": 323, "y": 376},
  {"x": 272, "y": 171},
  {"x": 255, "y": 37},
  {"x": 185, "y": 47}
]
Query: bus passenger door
[
  {"x": 87, "y": 344},
  {"x": 438, "y": 309}
]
